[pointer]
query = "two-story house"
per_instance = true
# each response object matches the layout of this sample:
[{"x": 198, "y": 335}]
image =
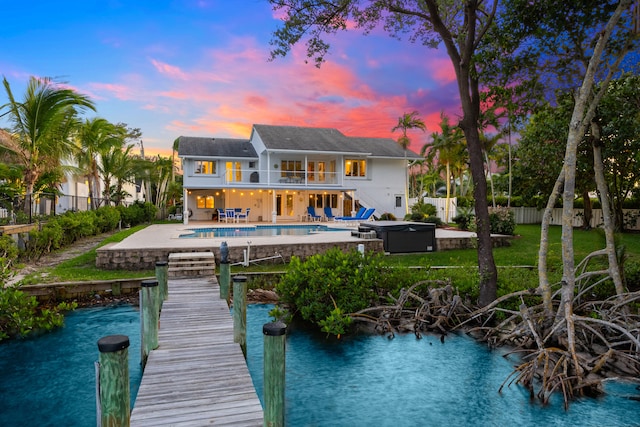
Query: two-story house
[{"x": 281, "y": 170}]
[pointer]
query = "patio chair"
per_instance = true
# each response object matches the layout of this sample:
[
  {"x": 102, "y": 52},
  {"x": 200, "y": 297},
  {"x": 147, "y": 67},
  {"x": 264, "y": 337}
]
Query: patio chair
[
  {"x": 328, "y": 213},
  {"x": 230, "y": 214},
  {"x": 221, "y": 215},
  {"x": 243, "y": 215},
  {"x": 311, "y": 212}
]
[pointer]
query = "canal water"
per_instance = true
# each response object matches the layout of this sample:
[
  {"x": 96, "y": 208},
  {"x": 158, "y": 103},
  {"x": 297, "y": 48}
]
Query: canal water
[
  {"x": 374, "y": 381},
  {"x": 50, "y": 380},
  {"x": 359, "y": 381}
]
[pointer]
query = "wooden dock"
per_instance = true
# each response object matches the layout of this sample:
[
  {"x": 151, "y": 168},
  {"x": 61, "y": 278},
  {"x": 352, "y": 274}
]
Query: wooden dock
[{"x": 198, "y": 375}]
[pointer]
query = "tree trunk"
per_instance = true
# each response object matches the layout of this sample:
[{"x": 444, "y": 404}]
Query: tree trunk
[
  {"x": 543, "y": 277},
  {"x": 588, "y": 211},
  {"x": 486, "y": 264},
  {"x": 609, "y": 223}
]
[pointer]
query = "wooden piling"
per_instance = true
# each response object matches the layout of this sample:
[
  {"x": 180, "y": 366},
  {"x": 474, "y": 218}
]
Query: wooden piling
[
  {"x": 162, "y": 269},
  {"x": 149, "y": 316},
  {"x": 274, "y": 373},
  {"x": 225, "y": 280},
  {"x": 113, "y": 381},
  {"x": 240, "y": 312}
]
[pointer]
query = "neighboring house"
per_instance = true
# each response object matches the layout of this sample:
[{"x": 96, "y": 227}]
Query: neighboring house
[{"x": 281, "y": 170}]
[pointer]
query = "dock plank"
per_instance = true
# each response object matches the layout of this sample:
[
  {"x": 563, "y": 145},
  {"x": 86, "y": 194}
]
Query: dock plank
[{"x": 197, "y": 376}]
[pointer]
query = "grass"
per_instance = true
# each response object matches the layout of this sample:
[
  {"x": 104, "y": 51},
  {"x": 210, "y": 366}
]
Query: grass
[
  {"x": 522, "y": 252},
  {"x": 83, "y": 267}
]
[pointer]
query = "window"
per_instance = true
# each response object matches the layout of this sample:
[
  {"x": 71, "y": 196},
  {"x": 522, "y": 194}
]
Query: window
[
  {"x": 354, "y": 167},
  {"x": 291, "y": 168},
  {"x": 398, "y": 201},
  {"x": 205, "y": 167},
  {"x": 234, "y": 172},
  {"x": 204, "y": 202},
  {"x": 252, "y": 165},
  {"x": 323, "y": 200}
]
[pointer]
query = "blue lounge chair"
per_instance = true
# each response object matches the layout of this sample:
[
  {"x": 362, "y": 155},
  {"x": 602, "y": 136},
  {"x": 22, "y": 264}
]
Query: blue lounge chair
[
  {"x": 359, "y": 214},
  {"x": 328, "y": 213},
  {"x": 311, "y": 213},
  {"x": 366, "y": 216}
]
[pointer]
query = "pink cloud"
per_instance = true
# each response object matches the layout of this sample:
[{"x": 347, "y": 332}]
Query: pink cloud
[{"x": 169, "y": 70}]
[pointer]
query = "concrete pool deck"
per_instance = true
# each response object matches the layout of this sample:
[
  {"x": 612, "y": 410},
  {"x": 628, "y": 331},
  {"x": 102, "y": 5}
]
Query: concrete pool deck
[{"x": 143, "y": 249}]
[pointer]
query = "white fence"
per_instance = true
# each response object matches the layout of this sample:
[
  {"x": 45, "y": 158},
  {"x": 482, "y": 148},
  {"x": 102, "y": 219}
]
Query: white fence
[{"x": 534, "y": 216}]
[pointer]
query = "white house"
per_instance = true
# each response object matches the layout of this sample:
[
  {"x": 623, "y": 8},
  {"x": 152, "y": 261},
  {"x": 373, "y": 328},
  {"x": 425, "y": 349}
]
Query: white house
[{"x": 281, "y": 170}]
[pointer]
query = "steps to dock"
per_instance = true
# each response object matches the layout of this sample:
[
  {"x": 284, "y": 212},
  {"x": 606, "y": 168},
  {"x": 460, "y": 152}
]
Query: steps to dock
[{"x": 191, "y": 264}]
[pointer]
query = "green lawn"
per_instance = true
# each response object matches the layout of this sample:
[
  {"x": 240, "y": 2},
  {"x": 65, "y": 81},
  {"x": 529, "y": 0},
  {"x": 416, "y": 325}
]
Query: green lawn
[
  {"x": 522, "y": 252},
  {"x": 83, "y": 267}
]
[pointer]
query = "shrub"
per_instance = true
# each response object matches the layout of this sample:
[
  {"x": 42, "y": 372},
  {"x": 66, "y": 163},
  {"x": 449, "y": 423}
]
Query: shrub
[
  {"x": 326, "y": 287},
  {"x": 464, "y": 219},
  {"x": 388, "y": 217},
  {"x": 107, "y": 219},
  {"x": 502, "y": 220},
  {"x": 21, "y": 315}
]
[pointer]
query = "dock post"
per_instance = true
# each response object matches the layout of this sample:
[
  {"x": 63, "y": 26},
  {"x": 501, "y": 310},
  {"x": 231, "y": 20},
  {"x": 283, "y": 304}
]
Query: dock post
[
  {"x": 149, "y": 317},
  {"x": 162, "y": 268},
  {"x": 225, "y": 272},
  {"x": 274, "y": 373},
  {"x": 113, "y": 381},
  {"x": 240, "y": 312}
]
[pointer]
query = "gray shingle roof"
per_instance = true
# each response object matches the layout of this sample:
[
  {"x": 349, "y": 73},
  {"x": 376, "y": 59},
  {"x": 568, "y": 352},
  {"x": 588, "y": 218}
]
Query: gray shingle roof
[
  {"x": 215, "y": 147},
  {"x": 299, "y": 138}
]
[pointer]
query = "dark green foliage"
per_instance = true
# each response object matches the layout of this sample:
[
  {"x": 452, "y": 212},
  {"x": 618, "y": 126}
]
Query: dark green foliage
[
  {"x": 313, "y": 286},
  {"x": 388, "y": 217},
  {"x": 137, "y": 213},
  {"x": 327, "y": 287},
  {"x": 464, "y": 220},
  {"x": 632, "y": 274},
  {"x": 21, "y": 315},
  {"x": 107, "y": 219}
]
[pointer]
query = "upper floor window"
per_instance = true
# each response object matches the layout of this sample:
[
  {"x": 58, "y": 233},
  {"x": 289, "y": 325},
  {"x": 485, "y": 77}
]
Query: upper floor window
[
  {"x": 354, "y": 167},
  {"x": 290, "y": 168},
  {"x": 205, "y": 167}
]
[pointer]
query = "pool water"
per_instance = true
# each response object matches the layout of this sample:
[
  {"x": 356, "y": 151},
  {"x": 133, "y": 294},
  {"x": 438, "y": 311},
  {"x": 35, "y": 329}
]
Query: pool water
[
  {"x": 50, "y": 380},
  {"x": 258, "y": 231}
]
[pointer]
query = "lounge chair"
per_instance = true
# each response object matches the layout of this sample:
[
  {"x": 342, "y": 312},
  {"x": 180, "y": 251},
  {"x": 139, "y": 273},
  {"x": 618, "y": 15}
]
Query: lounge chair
[
  {"x": 311, "y": 213},
  {"x": 328, "y": 213},
  {"x": 366, "y": 216},
  {"x": 359, "y": 214}
]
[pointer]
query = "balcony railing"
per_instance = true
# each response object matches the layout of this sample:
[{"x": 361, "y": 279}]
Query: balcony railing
[{"x": 282, "y": 178}]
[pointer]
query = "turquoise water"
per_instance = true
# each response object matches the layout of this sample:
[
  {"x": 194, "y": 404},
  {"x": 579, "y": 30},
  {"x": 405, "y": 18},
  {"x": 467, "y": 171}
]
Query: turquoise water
[
  {"x": 361, "y": 381},
  {"x": 374, "y": 381},
  {"x": 50, "y": 380},
  {"x": 257, "y": 230}
]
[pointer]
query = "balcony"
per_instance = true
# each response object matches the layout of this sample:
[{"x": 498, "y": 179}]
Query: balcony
[{"x": 276, "y": 178}]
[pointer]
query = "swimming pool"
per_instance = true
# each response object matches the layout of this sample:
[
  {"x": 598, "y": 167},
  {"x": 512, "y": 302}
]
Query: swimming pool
[{"x": 257, "y": 231}]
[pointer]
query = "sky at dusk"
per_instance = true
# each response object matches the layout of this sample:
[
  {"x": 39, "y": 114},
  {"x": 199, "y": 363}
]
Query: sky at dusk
[{"x": 201, "y": 68}]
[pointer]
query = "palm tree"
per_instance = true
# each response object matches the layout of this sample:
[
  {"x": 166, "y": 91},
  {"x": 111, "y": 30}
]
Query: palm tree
[
  {"x": 41, "y": 127},
  {"x": 450, "y": 149},
  {"x": 120, "y": 165},
  {"x": 97, "y": 138},
  {"x": 405, "y": 122}
]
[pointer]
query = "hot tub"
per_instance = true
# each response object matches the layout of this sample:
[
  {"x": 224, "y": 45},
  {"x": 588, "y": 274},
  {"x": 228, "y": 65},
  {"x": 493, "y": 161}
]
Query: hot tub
[{"x": 403, "y": 236}]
